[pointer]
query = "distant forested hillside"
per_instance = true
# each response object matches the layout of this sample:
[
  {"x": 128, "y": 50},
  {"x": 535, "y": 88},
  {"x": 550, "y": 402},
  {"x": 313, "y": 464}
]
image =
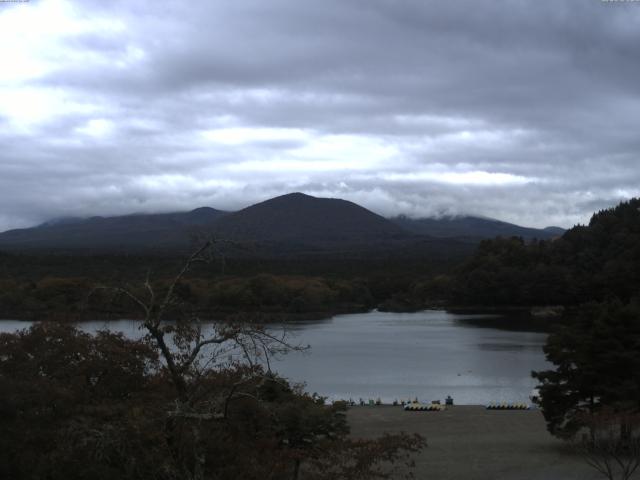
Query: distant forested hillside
[{"x": 588, "y": 263}]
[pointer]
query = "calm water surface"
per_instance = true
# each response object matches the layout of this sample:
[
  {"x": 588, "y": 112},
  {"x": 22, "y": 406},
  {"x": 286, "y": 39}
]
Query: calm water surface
[{"x": 427, "y": 355}]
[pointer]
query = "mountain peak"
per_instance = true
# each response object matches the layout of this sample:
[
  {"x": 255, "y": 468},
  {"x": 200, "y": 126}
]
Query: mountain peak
[
  {"x": 288, "y": 197},
  {"x": 295, "y": 195},
  {"x": 304, "y": 219},
  {"x": 204, "y": 210}
]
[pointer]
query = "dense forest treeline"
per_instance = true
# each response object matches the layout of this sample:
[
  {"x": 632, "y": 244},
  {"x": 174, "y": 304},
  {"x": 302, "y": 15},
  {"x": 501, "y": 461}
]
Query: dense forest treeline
[
  {"x": 71, "y": 299},
  {"x": 588, "y": 263},
  {"x": 68, "y": 288}
]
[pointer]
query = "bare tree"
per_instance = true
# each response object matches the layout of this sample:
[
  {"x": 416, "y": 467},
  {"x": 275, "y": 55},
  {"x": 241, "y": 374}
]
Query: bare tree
[
  {"x": 222, "y": 390},
  {"x": 188, "y": 352},
  {"x": 612, "y": 443}
]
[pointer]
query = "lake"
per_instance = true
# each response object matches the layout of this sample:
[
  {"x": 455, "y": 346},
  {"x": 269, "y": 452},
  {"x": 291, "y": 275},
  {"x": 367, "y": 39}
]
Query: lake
[{"x": 429, "y": 355}]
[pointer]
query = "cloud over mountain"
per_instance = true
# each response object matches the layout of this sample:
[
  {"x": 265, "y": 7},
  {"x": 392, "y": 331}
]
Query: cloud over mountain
[{"x": 523, "y": 111}]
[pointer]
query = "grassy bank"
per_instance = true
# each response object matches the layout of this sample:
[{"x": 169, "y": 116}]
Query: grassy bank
[{"x": 472, "y": 443}]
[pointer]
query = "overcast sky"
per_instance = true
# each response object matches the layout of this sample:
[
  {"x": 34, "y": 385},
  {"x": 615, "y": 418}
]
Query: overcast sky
[{"x": 527, "y": 111}]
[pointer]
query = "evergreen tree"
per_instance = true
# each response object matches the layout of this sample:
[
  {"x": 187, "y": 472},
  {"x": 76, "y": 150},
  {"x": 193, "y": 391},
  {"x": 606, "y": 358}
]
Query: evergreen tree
[{"x": 597, "y": 359}]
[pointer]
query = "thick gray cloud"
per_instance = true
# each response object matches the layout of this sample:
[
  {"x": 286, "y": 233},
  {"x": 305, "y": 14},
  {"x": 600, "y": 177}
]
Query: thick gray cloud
[{"x": 519, "y": 110}]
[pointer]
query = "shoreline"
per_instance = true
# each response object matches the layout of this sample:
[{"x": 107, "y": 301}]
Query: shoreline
[{"x": 533, "y": 313}]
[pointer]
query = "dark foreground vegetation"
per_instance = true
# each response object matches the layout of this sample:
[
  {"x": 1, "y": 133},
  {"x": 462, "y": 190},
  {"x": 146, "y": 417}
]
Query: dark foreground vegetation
[
  {"x": 592, "y": 396},
  {"x": 181, "y": 403},
  {"x": 81, "y": 407}
]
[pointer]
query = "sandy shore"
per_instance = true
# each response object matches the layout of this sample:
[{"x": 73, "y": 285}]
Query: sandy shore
[{"x": 471, "y": 443}]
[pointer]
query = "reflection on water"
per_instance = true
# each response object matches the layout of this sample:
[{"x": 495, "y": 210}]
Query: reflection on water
[
  {"x": 428, "y": 355},
  {"x": 513, "y": 321}
]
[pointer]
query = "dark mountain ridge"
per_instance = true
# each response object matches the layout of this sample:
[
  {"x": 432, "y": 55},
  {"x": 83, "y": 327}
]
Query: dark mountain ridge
[
  {"x": 289, "y": 224},
  {"x": 163, "y": 230},
  {"x": 472, "y": 228}
]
